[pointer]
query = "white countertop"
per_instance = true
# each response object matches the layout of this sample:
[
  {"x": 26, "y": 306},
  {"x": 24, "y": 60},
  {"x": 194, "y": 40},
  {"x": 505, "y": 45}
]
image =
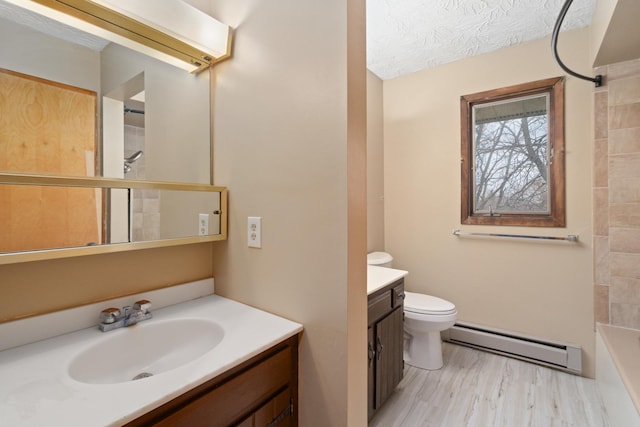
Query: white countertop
[
  {"x": 36, "y": 390},
  {"x": 379, "y": 277}
]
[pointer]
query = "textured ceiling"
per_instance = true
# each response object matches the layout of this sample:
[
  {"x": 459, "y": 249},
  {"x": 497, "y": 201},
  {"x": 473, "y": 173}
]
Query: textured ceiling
[{"x": 404, "y": 36}]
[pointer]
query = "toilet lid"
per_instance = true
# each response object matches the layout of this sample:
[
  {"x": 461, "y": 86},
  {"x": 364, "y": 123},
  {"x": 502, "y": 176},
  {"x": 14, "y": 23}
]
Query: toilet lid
[
  {"x": 377, "y": 258},
  {"x": 426, "y": 304}
]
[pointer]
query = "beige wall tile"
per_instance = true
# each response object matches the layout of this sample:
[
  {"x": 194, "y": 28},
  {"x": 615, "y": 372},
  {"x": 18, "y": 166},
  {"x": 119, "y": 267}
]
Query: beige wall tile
[
  {"x": 601, "y": 114},
  {"x": 626, "y": 315},
  {"x": 618, "y": 266},
  {"x": 625, "y": 240},
  {"x": 601, "y": 163},
  {"x": 625, "y": 290},
  {"x": 623, "y": 70},
  {"x": 624, "y": 215},
  {"x": 624, "y": 91},
  {"x": 601, "y": 261},
  {"x": 600, "y": 212},
  {"x": 624, "y": 116},
  {"x": 625, "y": 265},
  {"x": 624, "y": 190},
  {"x": 622, "y": 141},
  {"x": 624, "y": 165},
  {"x": 601, "y": 303}
]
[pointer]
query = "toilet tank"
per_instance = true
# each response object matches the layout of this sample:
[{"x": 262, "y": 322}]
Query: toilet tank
[{"x": 380, "y": 259}]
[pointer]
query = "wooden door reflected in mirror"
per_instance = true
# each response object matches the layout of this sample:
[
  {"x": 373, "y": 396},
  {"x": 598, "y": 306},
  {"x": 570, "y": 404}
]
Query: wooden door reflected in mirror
[{"x": 46, "y": 127}]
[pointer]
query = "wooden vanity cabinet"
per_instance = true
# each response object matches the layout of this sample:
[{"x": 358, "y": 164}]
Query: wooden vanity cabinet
[
  {"x": 385, "y": 343},
  {"x": 260, "y": 392}
]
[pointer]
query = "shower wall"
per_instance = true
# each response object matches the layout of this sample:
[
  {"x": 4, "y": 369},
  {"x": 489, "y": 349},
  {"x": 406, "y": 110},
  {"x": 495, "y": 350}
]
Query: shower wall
[
  {"x": 616, "y": 196},
  {"x": 145, "y": 204}
]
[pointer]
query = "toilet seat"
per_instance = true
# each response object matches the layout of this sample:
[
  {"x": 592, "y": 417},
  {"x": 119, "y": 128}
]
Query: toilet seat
[{"x": 427, "y": 304}]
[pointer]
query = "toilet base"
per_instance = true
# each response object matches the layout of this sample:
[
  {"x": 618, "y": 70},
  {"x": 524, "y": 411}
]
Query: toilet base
[{"x": 424, "y": 351}]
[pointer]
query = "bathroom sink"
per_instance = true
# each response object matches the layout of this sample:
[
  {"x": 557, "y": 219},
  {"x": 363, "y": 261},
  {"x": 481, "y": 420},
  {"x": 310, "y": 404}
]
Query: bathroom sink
[{"x": 145, "y": 350}]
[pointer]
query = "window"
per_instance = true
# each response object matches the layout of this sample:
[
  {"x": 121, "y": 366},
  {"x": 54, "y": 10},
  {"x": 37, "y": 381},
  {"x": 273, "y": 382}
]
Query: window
[{"x": 513, "y": 155}]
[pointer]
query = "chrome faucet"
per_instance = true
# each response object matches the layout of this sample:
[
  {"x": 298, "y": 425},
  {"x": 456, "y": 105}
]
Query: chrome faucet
[{"x": 114, "y": 318}]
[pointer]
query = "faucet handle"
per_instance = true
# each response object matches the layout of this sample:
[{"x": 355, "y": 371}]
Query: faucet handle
[
  {"x": 109, "y": 315},
  {"x": 142, "y": 305}
]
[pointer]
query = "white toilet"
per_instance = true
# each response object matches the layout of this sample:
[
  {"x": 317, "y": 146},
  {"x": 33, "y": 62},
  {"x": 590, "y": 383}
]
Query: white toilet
[{"x": 424, "y": 317}]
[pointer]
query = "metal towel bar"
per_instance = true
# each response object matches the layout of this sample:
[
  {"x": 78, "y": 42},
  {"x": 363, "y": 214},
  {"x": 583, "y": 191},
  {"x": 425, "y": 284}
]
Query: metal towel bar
[{"x": 569, "y": 238}]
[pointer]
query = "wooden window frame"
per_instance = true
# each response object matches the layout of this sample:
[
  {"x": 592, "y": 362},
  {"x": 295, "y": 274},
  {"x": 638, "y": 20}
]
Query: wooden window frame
[{"x": 556, "y": 183}]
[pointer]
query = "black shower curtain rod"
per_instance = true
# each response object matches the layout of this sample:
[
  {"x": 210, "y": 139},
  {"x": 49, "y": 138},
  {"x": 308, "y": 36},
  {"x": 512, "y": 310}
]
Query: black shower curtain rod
[{"x": 554, "y": 45}]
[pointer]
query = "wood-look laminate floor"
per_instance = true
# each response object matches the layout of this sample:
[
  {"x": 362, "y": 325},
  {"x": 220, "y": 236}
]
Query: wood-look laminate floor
[{"x": 480, "y": 389}]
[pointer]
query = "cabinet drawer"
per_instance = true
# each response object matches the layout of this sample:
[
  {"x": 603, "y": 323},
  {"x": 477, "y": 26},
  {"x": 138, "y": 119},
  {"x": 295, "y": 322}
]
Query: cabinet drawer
[
  {"x": 379, "y": 306},
  {"x": 276, "y": 412},
  {"x": 397, "y": 294},
  {"x": 222, "y": 405}
]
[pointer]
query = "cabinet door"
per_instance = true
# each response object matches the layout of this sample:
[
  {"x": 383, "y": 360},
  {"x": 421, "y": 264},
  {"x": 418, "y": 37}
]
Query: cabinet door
[
  {"x": 371, "y": 365},
  {"x": 389, "y": 346}
]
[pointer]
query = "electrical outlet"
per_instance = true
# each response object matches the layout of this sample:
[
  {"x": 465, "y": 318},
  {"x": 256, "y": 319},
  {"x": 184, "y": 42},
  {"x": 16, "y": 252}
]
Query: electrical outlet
[
  {"x": 254, "y": 232},
  {"x": 203, "y": 225}
]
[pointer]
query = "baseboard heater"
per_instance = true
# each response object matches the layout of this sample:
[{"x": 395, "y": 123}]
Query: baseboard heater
[{"x": 567, "y": 357}]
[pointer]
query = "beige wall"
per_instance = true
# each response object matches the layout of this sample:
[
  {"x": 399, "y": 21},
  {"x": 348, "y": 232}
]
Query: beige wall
[
  {"x": 375, "y": 165},
  {"x": 616, "y": 197},
  {"x": 615, "y": 34},
  {"x": 44, "y": 286},
  {"x": 538, "y": 288},
  {"x": 289, "y": 141},
  {"x": 599, "y": 23}
]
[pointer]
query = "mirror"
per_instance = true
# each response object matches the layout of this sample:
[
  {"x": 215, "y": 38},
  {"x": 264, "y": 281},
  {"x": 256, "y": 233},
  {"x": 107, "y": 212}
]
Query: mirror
[
  {"x": 131, "y": 103},
  {"x": 46, "y": 217},
  {"x": 53, "y": 217},
  {"x": 155, "y": 214},
  {"x": 102, "y": 148}
]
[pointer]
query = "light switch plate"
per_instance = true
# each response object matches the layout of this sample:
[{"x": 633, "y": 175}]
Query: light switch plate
[{"x": 254, "y": 232}]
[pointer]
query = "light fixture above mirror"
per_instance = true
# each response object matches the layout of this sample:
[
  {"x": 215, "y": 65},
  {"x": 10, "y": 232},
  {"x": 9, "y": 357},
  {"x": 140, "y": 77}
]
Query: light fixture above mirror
[{"x": 176, "y": 33}]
